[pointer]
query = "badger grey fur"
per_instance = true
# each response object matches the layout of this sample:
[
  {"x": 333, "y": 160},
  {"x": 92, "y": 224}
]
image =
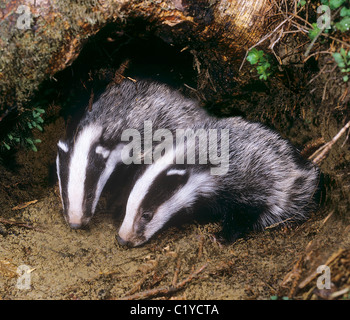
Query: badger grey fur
[
  {"x": 90, "y": 154},
  {"x": 267, "y": 182}
]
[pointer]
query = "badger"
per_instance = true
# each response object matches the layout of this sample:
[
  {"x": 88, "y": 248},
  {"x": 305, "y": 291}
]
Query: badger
[
  {"x": 89, "y": 154},
  {"x": 266, "y": 182}
]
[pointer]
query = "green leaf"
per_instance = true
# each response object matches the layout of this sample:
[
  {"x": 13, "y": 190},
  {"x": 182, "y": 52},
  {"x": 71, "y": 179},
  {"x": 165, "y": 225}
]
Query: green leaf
[
  {"x": 335, "y": 4},
  {"x": 254, "y": 56},
  {"x": 343, "y": 25},
  {"x": 29, "y": 141},
  {"x": 345, "y": 12},
  {"x": 339, "y": 59},
  {"x": 301, "y": 3},
  {"x": 314, "y": 32},
  {"x": 37, "y": 141},
  {"x": 39, "y": 127},
  {"x": 40, "y": 110},
  {"x": 6, "y": 146},
  {"x": 346, "y": 78}
]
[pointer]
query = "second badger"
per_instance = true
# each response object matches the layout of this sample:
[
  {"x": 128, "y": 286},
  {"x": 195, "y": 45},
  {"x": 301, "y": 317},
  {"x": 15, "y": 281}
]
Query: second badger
[{"x": 266, "y": 182}]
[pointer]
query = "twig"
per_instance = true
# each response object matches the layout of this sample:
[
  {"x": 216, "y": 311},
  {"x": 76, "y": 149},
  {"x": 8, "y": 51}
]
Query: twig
[
  {"x": 19, "y": 224},
  {"x": 293, "y": 276},
  {"x": 321, "y": 153},
  {"x": 311, "y": 277},
  {"x": 139, "y": 283},
  {"x": 313, "y": 41},
  {"x": 24, "y": 205},
  {"x": 176, "y": 273},
  {"x": 165, "y": 290},
  {"x": 263, "y": 39}
]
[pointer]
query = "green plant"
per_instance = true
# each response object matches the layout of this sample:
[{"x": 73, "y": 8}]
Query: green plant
[
  {"x": 262, "y": 60},
  {"x": 342, "y": 59},
  {"x": 21, "y": 134},
  {"x": 314, "y": 32},
  {"x": 333, "y": 4},
  {"x": 344, "y": 23}
]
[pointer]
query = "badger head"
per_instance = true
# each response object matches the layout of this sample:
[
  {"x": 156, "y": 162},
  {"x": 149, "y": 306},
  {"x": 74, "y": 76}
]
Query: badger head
[
  {"x": 83, "y": 168},
  {"x": 159, "y": 194}
]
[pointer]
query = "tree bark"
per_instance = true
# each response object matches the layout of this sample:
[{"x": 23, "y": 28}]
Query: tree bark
[{"x": 42, "y": 37}]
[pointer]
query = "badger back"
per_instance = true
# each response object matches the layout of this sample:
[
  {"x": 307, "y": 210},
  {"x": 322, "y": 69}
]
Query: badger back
[{"x": 264, "y": 181}]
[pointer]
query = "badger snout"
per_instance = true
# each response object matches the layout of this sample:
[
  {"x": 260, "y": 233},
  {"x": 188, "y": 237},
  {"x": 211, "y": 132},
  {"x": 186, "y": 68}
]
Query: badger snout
[
  {"x": 75, "y": 222},
  {"x": 123, "y": 242},
  {"x": 129, "y": 241},
  {"x": 75, "y": 225}
]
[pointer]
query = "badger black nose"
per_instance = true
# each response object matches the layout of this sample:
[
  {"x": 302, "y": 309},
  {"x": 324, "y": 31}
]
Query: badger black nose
[
  {"x": 75, "y": 225},
  {"x": 122, "y": 242}
]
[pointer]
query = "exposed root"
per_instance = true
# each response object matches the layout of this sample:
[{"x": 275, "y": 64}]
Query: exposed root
[
  {"x": 164, "y": 290},
  {"x": 322, "y": 152},
  {"x": 19, "y": 224}
]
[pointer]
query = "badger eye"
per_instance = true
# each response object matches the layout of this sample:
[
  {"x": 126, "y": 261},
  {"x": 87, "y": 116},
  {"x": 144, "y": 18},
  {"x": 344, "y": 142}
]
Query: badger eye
[
  {"x": 147, "y": 216},
  {"x": 90, "y": 195}
]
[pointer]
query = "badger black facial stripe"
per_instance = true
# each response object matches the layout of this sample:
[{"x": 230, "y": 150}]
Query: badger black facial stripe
[
  {"x": 163, "y": 188},
  {"x": 62, "y": 172},
  {"x": 198, "y": 185},
  {"x": 113, "y": 159}
]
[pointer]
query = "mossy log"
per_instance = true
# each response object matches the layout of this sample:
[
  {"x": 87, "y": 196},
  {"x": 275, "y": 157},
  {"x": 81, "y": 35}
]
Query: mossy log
[{"x": 42, "y": 37}]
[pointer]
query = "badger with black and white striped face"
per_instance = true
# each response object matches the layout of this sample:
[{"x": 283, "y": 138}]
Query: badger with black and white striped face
[
  {"x": 88, "y": 157},
  {"x": 266, "y": 182}
]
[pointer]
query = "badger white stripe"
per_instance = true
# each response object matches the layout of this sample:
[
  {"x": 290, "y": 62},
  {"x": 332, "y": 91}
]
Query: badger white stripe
[
  {"x": 113, "y": 160},
  {"x": 59, "y": 178},
  {"x": 178, "y": 172},
  {"x": 199, "y": 184},
  {"x": 77, "y": 171},
  {"x": 103, "y": 151},
  {"x": 140, "y": 190}
]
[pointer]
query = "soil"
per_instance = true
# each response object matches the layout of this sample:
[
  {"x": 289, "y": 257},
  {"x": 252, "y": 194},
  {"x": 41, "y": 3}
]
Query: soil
[
  {"x": 89, "y": 263},
  {"x": 181, "y": 262}
]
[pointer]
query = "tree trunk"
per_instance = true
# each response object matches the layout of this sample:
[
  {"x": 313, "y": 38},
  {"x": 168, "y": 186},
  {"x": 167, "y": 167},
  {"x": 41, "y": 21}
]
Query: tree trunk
[{"x": 42, "y": 37}]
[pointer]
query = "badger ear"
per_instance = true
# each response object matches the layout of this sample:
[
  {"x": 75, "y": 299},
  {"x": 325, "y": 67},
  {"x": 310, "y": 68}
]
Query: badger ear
[
  {"x": 62, "y": 146},
  {"x": 103, "y": 151}
]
